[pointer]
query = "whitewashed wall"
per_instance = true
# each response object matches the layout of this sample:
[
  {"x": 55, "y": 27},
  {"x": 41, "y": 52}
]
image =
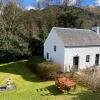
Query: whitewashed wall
[
  {"x": 81, "y": 52},
  {"x": 58, "y": 56}
]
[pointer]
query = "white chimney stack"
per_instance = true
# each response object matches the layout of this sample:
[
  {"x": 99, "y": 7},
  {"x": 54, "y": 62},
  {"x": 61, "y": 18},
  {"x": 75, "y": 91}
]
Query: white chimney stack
[{"x": 96, "y": 29}]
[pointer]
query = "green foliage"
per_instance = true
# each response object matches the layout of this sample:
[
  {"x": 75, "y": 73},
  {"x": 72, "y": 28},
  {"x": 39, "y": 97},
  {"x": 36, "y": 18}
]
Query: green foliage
[
  {"x": 14, "y": 38},
  {"x": 71, "y": 17},
  {"x": 44, "y": 33},
  {"x": 33, "y": 63},
  {"x": 36, "y": 47}
]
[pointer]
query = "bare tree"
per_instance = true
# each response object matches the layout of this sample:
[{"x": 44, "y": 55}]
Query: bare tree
[
  {"x": 0, "y": 4},
  {"x": 43, "y": 3},
  {"x": 65, "y": 2},
  {"x": 46, "y": 3},
  {"x": 18, "y": 2},
  {"x": 78, "y": 2},
  {"x": 72, "y": 2}
]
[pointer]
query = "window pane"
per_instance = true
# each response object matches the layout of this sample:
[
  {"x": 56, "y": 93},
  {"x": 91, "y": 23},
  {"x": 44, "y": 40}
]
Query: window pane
[
  {"x": 87, "y": 58},
  {"x": 47, "y": 55},
  {"x": 55, "y": 48}
]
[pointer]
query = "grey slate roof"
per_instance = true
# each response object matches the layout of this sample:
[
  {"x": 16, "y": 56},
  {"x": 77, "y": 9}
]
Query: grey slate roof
[{"x": 78, "y": 37}]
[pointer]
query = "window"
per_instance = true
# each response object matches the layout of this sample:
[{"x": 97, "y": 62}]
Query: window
[
  {"x": 87, "y": 58},
  {"x": 55, "y": 48},
  {"x": 97, "y": 59},
  {"x": 47, "y": 55}
]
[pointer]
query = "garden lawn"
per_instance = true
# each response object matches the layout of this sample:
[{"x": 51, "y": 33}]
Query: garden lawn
[{"x": 30, "y": 87}]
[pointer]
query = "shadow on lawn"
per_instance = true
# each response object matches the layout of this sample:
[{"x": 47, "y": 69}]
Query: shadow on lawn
[
  {"x": 48, "y": 91},
  {"x": 19, "y": 68},
  {"x": 85, "y": 95},
  {"x": 54, "y": 90}
]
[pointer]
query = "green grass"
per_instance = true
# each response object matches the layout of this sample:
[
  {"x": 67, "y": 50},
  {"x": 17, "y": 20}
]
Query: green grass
[{"x": 30, "y": 87}]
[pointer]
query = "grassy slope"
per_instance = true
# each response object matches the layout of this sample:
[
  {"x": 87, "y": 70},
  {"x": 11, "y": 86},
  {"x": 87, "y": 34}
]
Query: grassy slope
[{"x": 27, "y": 85}]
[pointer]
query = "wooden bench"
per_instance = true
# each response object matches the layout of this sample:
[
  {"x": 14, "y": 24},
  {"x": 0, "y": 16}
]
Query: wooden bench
[{"x": 64, "y": 84}]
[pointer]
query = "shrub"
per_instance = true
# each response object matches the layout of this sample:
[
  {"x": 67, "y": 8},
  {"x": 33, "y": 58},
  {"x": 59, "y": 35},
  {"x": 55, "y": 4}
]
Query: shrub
[
  {"x": 33, "y": 63},
  {"x": 48, "y": 70},
  {"x": 90, "y": 78},
  {"x": 45, "y": 69}
]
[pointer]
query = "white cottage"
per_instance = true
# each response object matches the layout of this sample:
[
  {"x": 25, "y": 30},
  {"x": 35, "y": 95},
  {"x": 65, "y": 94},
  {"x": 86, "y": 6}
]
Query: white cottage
[{"x": 69, "y": 47}]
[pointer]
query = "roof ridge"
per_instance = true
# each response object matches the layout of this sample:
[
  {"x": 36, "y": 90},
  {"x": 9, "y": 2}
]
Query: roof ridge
[{"x": 71, "y": 28}]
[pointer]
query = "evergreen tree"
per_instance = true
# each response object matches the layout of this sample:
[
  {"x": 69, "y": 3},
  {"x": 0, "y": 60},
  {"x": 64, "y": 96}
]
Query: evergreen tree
[{"x": 14, "y": 37}]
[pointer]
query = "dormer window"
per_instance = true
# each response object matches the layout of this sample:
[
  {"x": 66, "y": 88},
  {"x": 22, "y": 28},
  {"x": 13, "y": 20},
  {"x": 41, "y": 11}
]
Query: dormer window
[{"x": 55, "y": 48}]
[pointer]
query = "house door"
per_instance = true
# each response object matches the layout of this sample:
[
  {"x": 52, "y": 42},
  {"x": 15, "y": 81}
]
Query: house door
[
  {"x": 75, "y": 63},
  {"x": 97, "y": 59}
]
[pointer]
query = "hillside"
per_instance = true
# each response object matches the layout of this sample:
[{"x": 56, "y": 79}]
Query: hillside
[
  {"x": 95, "y": 10},
  {"x": 63, "y": 17},
  {"x": 73, "y": 17},
  {"x": 25, "y": 28}
]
